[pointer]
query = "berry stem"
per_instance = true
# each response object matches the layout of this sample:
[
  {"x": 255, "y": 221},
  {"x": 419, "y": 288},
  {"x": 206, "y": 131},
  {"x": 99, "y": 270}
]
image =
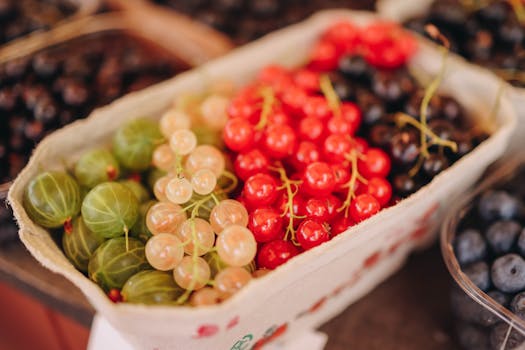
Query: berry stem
[
  {"x": 290, "y": 194},
  {"x": 402, "y": 119},
  {"x": 268, "y": 102},
  {"x": 353, "y": 156},
  {"x": 126, "y": 234},
  {"x": 179, "y": 169},
  {"x": 519, "y": 10},
  {"x": 231, "y": 177},
  {"x": 68, "y": 226},
  {"x": 330, "y": 94}
]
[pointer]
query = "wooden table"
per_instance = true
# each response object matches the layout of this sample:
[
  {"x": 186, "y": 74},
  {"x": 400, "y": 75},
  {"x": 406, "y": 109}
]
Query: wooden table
[{"x": 408, "y": 311}]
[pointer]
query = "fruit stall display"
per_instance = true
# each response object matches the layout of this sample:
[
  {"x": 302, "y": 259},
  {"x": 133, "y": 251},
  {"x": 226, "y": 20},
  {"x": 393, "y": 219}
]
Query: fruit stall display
[
  {"x": 227, "y": 183},
  {"x": 483, "y": 245}
]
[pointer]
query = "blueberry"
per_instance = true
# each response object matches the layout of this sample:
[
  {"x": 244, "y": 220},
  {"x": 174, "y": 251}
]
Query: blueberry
[
  {"x": 470, "y": 247},
  {"x": 478, "y": 273},
  {"x": 508, "y": 273},
  {"x": 517, "y": 305},
  {"x": 467, "y": 309},
  {"x": 501, "y": 235},
  {"x": 472, "y": 337},
  {"x": 521, "y": 243},
  {"x": 499, "y": 297},
  {"x": 501, "y": 338},
  {"x": 494, "y": 205}
]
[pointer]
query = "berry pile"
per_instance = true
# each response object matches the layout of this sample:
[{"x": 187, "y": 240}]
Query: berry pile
[
  {"x": 246, "y": 20},
  {"x": 423, "y": 132},
  {"x": 490, "y": 247},
  {"x": 52, "y": 88},
  {"x": 189, "y": 245},
  {"x": 319, "y": 147},
  {"x": 490, "y": 33},
  {"x": 18, "y": 18}
]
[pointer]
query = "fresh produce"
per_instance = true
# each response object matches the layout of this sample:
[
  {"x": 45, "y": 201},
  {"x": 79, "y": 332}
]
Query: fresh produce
[
  {"x": 489, "y": 33},
  {"x": 186, "y": 214},
  {"x": 19, "y": 18},
  {"x": 52, "y": 87},
  {"x": 246, "y": 20},
  {"x": 490, "y": 248},
  {"x": 325, "y": 146}
]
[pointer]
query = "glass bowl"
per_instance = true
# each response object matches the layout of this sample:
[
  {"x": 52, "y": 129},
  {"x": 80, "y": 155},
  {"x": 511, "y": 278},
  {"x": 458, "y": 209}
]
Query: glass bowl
[{"x": 480, "y": 321}]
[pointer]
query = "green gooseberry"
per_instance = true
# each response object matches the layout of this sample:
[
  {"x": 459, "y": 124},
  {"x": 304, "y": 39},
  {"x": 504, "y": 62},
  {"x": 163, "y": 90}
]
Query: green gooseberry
[
  {"x": 134, "y": 143},
  {"x": 110, "y": 209},
  {"x": 95, "y": 167},
  {"x": 151, "y": 287},
  {"x": 80, "y": 244},
  {"x": 138, "y": 189},
  {"x": 52, "y": 199},
  {"x": 114, "y": 262},
  {"x": 140, "y": 230}
]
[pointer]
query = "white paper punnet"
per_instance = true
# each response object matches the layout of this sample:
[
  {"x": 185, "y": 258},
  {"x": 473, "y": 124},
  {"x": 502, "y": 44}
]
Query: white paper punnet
[{"x": 314, "y": 286}]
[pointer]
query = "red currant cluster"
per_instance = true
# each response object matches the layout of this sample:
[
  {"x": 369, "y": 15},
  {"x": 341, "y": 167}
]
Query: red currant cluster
[
  {"x": 307, "y": 176},
  {"x": 382, "y": 44}
]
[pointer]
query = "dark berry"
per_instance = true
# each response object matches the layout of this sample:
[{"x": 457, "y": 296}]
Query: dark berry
[
  {"x": 517, "y": 305},
  {"x": 478, "y": 273},
  {"x": 501, "y": 337},
  {"x": 508, "y": 273},
  {"x": 521, "y": 243},
  {"x": 404, "y": 148},
  {"x": 501, "y": 235},
  {"x": 355, "y": 67},
  {"x": 470, "y": 247},
  {"x": 472, "y": 337},
  {"x": 494, "y": 205},
  {"x": 404, "y": 185},
  {"x": 434, "y": 164}
]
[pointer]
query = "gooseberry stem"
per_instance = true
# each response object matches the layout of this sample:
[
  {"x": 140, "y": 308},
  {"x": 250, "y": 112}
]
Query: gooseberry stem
[
  {"x": 352, "y": 157},
  {"x": 290, "y": 194},
  {"x": 68, "y": 226},
  {"x": 268, "y": 102},
  {"x": 179, "y": 169},
  {"x": 126, "y": 234},
  {"x": 330, "y": 94}
]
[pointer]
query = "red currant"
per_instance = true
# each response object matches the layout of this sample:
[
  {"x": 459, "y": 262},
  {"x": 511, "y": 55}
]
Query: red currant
[
  {"x": 374, "y": 163},
  {"x": 250, "y": 163},
  {"x": 280, "y": 141},
  {"x": 278, "y": 117},
  {"x": 363, "y": 206},
  {"x": 341, "y": 176},
  {"x": 311, "y": 129},
  {"x": 317, "y": 106},
  {"x": 293, "y": 100},
  {"x": 297, "y": 208},
  {"x": 260, "y": 190},
  {"x": 238, "y": 134},
  {"x": 332, "y": 204},
  {"x": 381, "y": 189},
  {"x": 317, "y": 209},
  {"x": 336, "y": 147},
  {"x": 352, "y": 114},
  {"x": 311, "y": 234},
  {"x": 266, "y": 224},
  {"x": 318, "y": 179},
  {"x": 340, "y": 225},
  {"x": 324, "y": 56},
  {"x": 307, "y": 153},
  {"x": 275, "y": 253},
  {"x": 344, "y": 35},
  {"x": 243, "y": 108},
  {"x": 307, "y": 79},
  {"x": 273, "y": 73}
]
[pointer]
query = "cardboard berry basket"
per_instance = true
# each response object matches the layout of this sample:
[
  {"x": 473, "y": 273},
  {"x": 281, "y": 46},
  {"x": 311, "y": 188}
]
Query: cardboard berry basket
[
  {"x": 312, "y": 287},
  {"x": 402, "y": 10}
]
